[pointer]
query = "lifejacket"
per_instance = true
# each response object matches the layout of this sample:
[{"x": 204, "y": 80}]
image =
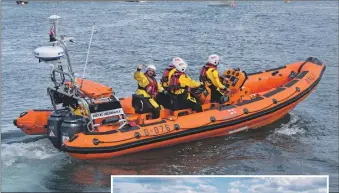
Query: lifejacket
[
  {"x": 174, "y": 83},
  {"x": 164, "y": 79},
  {"x": 152, "y": 87},
  {"x": 203, "y": 76}
]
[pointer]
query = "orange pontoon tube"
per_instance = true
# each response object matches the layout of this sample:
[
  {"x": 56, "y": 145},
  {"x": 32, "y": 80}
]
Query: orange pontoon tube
[{"x": 33, "y": 122}]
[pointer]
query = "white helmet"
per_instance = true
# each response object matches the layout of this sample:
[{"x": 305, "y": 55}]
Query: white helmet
[
  {"x": 151, "y": 66},
  {"x": 213, "y": 59},
  {"x": 179, "y": 64}
]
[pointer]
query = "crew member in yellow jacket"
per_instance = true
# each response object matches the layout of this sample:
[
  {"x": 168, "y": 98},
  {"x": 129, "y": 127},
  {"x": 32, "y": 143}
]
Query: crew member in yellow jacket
[
  {"x": 180, "y": 85},
  {"x": 149, "y": 89},
  {"x": 209, "y": 75}
]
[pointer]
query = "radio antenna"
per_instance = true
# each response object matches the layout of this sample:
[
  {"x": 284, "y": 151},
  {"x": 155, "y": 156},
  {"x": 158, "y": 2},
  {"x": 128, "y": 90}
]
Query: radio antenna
[{"x": 89, "y": 47}]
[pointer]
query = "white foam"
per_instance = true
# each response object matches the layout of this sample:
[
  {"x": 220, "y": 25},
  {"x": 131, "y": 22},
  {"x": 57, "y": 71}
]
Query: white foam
[
  {"x": 38, "y": 150},
  {"x": 290, "y": 128}
]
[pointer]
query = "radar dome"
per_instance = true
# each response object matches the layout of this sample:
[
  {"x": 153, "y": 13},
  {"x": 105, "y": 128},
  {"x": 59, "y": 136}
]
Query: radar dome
[{"x": 49, "y": 53}]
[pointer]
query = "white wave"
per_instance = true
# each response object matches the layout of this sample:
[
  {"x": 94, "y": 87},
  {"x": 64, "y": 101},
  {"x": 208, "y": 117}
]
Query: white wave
[
  {"x": 38, "y": 150},
  {"x": 291, "y": 128}
]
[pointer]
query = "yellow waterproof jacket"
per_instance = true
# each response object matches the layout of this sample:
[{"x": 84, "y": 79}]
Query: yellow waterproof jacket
[
  {"x": 143, "y": 82},
  {"x": 213, "y": 75},
  {"x": 184, "y": 81}
]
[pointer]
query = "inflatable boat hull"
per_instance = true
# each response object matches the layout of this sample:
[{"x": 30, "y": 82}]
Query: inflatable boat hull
[{"x": 216, "y": 121}]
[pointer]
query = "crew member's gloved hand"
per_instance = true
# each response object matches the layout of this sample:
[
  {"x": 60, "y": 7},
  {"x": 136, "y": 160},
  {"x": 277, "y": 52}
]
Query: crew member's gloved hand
[
  {"x": 141, "y": 66},
  {"x": 165, "y": 92}
]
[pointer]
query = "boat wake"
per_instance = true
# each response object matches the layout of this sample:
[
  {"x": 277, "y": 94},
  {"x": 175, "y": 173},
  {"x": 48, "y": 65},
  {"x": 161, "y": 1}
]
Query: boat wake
[{"x": 21, "y": 152}]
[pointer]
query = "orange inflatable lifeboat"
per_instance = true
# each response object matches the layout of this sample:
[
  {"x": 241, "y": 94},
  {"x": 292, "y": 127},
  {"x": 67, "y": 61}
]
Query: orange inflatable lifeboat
[{"x": 95, "y": 124}]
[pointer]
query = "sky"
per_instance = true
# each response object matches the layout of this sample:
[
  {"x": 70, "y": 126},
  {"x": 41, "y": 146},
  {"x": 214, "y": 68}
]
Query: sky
[{"x": 219, "y": 184}]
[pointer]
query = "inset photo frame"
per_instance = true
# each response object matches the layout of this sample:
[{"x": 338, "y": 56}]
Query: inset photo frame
[{"x": 220, "y": 184}]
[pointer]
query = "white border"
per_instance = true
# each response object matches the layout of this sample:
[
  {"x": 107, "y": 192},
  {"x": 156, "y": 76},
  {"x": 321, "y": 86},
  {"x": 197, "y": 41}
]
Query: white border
[{"x": 218, "y": 176}]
